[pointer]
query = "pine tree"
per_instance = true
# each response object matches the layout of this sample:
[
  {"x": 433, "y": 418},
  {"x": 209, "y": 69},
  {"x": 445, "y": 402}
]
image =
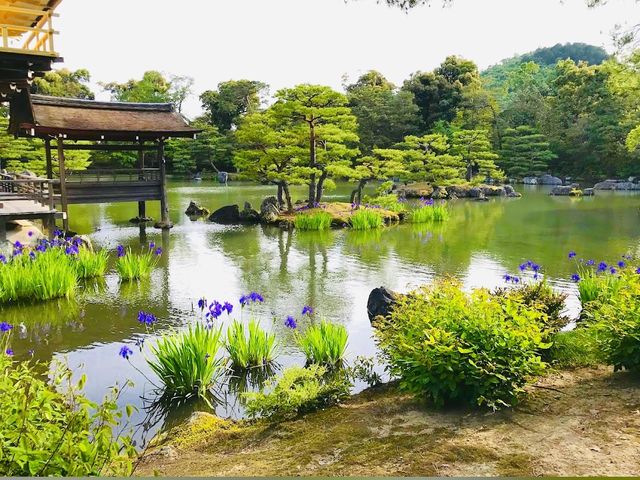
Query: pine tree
[
  {"x": 525, "y": 152},
  {"x": 429, "y": 158},
  {"x": 474, "y": 147}
]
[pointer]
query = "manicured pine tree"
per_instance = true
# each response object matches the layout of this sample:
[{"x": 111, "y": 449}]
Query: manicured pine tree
[
  {"x": 474, "y": 147},
  {"x": 525, "y": 152},
  {"x": 429, "y": 158}
]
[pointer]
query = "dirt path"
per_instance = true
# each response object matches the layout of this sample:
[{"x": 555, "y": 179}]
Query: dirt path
[{"x": 583, "y": 422}]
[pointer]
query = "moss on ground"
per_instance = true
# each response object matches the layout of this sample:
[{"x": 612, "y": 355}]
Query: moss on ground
[{"x": 579, "y": 422}]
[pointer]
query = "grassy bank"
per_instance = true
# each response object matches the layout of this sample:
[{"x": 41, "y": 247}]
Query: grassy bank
[{"x": 574, "y": 422}]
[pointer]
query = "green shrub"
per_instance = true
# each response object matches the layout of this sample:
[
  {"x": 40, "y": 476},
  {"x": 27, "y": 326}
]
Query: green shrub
[
  {"x": 255, "y": 350},
  {"x": 297, "y": 391},
  {"x": 37, "y": 276},
  {"x": 46, "y": 432},
  {"x": 325, "y": 343},
  {"x": 388, "y": 202},
  {"x": 617, "y": 322},
  {"x": 365, "y": 219},
  {"x": 313, "y": 221},
  {"x": 430, "y": 213},
  {"x": 576, "y": 348},
  {"x": 186, "y": 361},
  {"x": 596, "y": 285},
  {"x": 456, "y": 347},
  {"x": 91, "y": 264},
  {"x": 132, "y": 266},
  {"x": 540, "y": 296}
]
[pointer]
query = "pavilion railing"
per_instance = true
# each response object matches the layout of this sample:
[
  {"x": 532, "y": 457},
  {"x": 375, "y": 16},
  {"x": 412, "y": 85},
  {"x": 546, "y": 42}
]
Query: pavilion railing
[
  {"x": 33, "y": 40},
  {"x": 102, "y": 175},
  {"x": 21, "y": 187}
]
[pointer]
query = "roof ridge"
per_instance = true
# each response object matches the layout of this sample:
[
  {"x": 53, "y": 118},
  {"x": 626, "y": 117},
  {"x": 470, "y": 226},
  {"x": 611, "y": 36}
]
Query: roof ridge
[{"x": 97, "y": 104}]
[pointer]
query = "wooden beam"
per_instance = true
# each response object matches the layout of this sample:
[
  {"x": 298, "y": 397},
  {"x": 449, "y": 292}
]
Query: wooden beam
[
  {"x": 47, "y": 149},
  {"x": 165, "y": 222},
  {"x": 112, "y": 148},
  {"x": 63, "y": 184},
  {"x": 142, "y": 206}
]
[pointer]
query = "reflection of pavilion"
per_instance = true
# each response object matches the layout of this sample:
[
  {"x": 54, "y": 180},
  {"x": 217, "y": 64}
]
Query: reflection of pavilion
[{"x": 26, "y": 51}]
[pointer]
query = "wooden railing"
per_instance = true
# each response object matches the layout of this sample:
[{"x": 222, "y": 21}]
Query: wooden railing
[
  {"x": 20, "y": 187},
  {"x": 101, "y": 175},
  {"x": 32, "y": 40}
]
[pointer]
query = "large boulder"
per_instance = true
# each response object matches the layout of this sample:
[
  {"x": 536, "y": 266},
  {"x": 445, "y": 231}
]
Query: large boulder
[
  {"x": 415, "y": 190},
  {"x": 195, "y": 210},
  {"x": 440, "y": 193},
  {"x": 228, "y": 215},
  {"x": 270, "y": 210},
  {"x": 476, "y": 192},
  {"x": 589, "y": 192},
  {"x": 380, "y": 303},
  {"x": 562, "y": 191},
  {"x": 510, "y": 192},
  {"x": 530, "y": 181},
  {"x": 549, "y": 180},
  {"x": 616, "y": 185},
  {"x": 249, "y": 215}
]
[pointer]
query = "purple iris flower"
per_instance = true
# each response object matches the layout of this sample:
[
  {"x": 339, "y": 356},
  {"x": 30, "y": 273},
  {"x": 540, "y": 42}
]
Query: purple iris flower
[
  {"x": 228, "y": 307},
  {"x": 30, "y": 233},
  {"x": 215, "y": 309},
  {"x": 202, "y": 303},
  {"x": 9, "y": 352},
  {"x": 621, "y": 264},
  {"x": 575, "y": 277},
  {"x": 147, "y": 318},
  {"x": 590, "y": 262},
  {"x": 121, "y": 251},
  {"x": 307, "y": 310},
  {"x": 5, "y": 327},
  {"x": 290, "y": 322},
  {"x": 572, "y": 254},
  {"x": 125, "y": 352},
  {"x": 158, "y": 251},
  {"x": 152, "y": 245},
  {"x": 3, "y": 259},
  {"x": 602, "y": 266}
]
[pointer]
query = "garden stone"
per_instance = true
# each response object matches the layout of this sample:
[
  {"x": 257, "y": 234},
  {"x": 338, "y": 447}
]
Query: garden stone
[
  {"x": 476, "y": 192},
  {"x": 440, "y": 193},
  {"x": 562, "y": 191},
  {"x": 549, "y": 180},
  {"x": 249, "y": 215},
  {"x": 195, "y": 210},
  {"x": 589, "y": 192},
  {"x": 381, "y": 302},
  {"x": 530, "y": 181},
  {"x": 269, "y": 210},
  {"x": 226, "y": 215},
  {"x": 510, "y": 192}
]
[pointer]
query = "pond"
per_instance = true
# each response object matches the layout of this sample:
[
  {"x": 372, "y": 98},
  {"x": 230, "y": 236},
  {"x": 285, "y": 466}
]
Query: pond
[{"x": 332, "y": 271}]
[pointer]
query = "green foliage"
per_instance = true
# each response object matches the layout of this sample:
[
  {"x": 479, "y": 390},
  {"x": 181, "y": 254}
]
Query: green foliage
[
  {"x": 257, "y": 349},
  {"x": 524, "y": 152},
  {"x": 365, "y": 219},
  {"x": 297, "y": 391},
  {"x": 440, "y": 93},
  {"x": 324, "y": 343},
  {"x": 153, "y": 87},
  {"x": 384, "y": 114},
  {"x": 437, "y": 212},
  {"x": 52, "y": 429},
  {"x": 429, "y": 158},
  {"x": 576, "y": 348},
  {"x": 207, "y": 151},
  {"x": 90, "y": 264},
  {"x": 542, "y": 297},
  {"x": 388, "y": 202},
  {"x": 186, "y": 361},
  {"x": 64, "y": 83},
  {"x": 317, "y": 220},
  {"x": 225, "y": 107},
  {"x": 132, "y": 266},
  {"x": 596, "y": 286},
  {"x": 617, "y": 321},
  {"x": 475, "y": 149},
  {"x": 49, "y": 275},
  {"x": 456, "y": 347}
]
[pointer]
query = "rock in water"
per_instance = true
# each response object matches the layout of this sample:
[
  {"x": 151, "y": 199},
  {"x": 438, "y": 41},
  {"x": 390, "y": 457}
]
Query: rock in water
[
  {"x": 269, "y": 210},
  {"x": 228, "y": 215},
  {"x": 510, "y": 192},
  {"x": 380, "y": 303},
  {"x": 195, "y": 210},
  {"x": 562, "y": 190},
  {"x": 589, "y": 192},
  {"x": 530, "y": 180},
  {"x": 249, "y": 215},
  {"x": 549, "y": 180}
]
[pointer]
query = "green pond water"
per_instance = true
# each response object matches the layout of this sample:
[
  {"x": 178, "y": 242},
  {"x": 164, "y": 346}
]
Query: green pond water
[{"x": 332, "y": 271}]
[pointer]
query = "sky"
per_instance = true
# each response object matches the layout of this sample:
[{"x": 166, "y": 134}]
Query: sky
[{"x": 287, "y": 42}]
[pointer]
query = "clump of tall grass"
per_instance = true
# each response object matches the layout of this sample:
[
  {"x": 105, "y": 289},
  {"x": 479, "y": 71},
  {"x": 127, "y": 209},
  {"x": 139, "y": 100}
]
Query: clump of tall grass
[
  {"x": 132, "y": 266},
  {"x": 37, "y": 276},
  {"x": 91, "y": 264},
  {"x": 430, "y": 212},
  {"x": 365, "y": 219},
  {"x": 325, "y": 343},
  {"x": 388, "y": 202},
  {"x": 313, "y": 221},
  {"x": 576, "y": 348},
  {"x": 599, "y": 283},
  {"x": 186, "y": 361},
  {"x": 257, "y": 349}
]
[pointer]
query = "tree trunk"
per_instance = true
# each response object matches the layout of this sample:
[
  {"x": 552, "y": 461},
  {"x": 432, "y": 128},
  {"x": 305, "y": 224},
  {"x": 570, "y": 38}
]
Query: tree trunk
[
  {"x": 312, "y": 164},
  {"x": 287, "y": 196},
  {"x": 280, "y": 200},
  {"x": 361, "y": 186},
  {"x": 320, "y": 189}
]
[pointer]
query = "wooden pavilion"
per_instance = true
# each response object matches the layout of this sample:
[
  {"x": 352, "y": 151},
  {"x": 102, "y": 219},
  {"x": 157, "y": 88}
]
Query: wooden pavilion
[{"x": 71, "y": 124}]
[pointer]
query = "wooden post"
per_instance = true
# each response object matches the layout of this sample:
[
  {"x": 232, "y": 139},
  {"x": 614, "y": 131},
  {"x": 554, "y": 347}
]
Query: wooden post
[
  {"x": 63, "y": 185},
  {"x": 165, "y": 222},
  {"x": 47, "y": 149},
  {"x": 142, "y": 207}
]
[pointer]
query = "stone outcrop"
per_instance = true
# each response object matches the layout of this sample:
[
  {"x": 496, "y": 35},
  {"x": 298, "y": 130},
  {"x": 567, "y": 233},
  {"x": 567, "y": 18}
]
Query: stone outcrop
[
  {"x": 380, "y": 303},
  {"x": 478, "y": 192},
  {"x": 530, "y": 181},
  {"x": 415, "y": 190},
  {"x": 227, "y": 215},
  {"x": 549, "y": 180},
  {"x": 195, "y": 210},
  {"x": 270, "y": 210},
  {"x": 616, "y": 185},
  {"x": 589, "y": 192},
  {"x": 561, "y": 191},
  {"x": 249, "y": 214}
]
